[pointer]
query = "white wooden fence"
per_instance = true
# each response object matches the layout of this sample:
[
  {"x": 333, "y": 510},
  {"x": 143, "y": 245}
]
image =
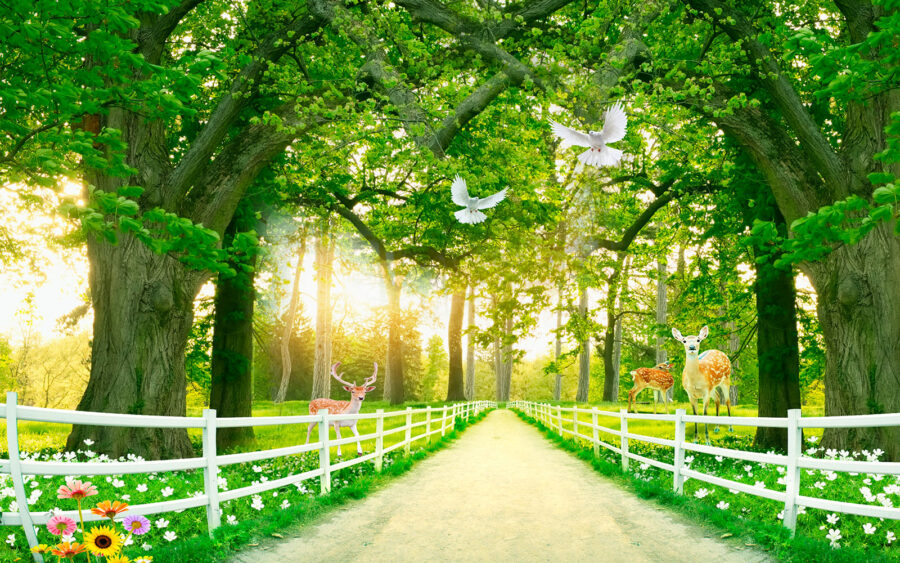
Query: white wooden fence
[
  {"x": 436, "y": 420},
  {"x": 553, "y": 416}
]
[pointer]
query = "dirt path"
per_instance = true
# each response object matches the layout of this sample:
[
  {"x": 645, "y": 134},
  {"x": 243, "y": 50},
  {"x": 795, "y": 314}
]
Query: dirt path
[{"x": 501, "y": 493}]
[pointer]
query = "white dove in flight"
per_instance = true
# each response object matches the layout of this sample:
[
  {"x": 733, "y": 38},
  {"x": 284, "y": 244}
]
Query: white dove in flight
[
  {"x": 598, "y": 154},
  {"x": 473, "y": 205}
]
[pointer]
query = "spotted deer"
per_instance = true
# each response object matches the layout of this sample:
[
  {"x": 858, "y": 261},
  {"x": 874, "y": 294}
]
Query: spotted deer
[
  {"x": 657, "y": 378},
  {"x": 357, "y": 396},
  {"x": 704, "y": 374}
]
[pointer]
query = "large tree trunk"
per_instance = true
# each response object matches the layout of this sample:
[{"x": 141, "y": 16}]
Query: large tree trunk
[
  {"x": 557, "y": 348},
  {"x": 470, "y": 350},
  {"x": 662, "y": 305},
  {"x": 288, "y": 331},
  {"x": 584, "y": 357},
  {"x": 503, "y": 362},
  {"x": 777, "y": 350},
  {"x": 859, "y": 312},
  {"x": 610, "y": 373},
  {"x": 454, "y": 345},
  {"x": 321, "y": 387},
  {"x": 231, "y": 393},
  {"x": 393, "y": 382},
  {"x": 143, "y": 312}
]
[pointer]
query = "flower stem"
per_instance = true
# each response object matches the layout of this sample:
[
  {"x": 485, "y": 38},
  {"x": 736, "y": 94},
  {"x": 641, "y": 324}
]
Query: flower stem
[{"x": 81, "y": 517}]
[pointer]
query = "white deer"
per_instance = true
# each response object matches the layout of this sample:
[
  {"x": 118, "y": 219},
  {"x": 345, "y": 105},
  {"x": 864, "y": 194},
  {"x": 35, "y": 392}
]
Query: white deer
[
  {"x": 704, "y": 374},
  {"x": 357, "y": 396}
]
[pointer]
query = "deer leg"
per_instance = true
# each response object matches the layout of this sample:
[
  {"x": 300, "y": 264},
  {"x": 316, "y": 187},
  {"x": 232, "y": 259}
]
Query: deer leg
[
  {"x": 654, "y": 401},
  {"x": 309, "y": 431},
  {"x": 706, "y": 426},
  {"x": 694, "y": 409},
  {"x": 337, "y": 431},
  {"x": 728, "y": 406},
  {"x": 717, "y": 410},
  {"x": 665, "y": 395},
  {"x": 356, "y": 433}
]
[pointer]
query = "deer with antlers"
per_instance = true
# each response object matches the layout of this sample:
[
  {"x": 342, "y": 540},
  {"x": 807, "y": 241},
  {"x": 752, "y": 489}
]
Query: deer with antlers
[
  {"x": 657, "y": 378},
  {"x": 357, "y": 396},
  {"x": 704, "y": 374}
]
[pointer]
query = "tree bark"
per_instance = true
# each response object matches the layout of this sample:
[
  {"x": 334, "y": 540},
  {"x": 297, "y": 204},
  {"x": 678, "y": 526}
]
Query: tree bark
[
  {"x": 777, "y": 350},
  {"x": 557, "y": 349},
  {"x": 662, "y": 305},
  {"x": 321, "y": 387},
  {"x": 503, "y": 362},
  {"x": 288, "y": 331},
  {"x": 143, "y": 312},
  {"x": 455, "y": 391},
  {"x": 393, "y": 383},
  {"x": 231, "y": 365},
  {"x": 584, "y": 357},
  {"x": 859, "y": 312},
  {"x": 470, "y": 350}
]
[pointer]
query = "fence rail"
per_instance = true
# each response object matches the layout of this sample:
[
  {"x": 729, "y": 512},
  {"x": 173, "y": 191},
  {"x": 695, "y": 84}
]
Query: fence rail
[
  {"x": 553, "y": 416},
  {"x": 437, "y": 420}
]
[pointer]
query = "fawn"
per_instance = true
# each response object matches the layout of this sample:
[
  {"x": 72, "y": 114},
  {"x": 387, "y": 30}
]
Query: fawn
[{"x": 657, "y": 378}]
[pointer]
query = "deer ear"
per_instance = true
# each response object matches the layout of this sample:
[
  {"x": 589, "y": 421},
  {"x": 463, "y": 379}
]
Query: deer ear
[
  {"x": 677, "y": 334},
  {"x": 372, "y": 388},
  {"x": 704, "y": 332},
  {"x": 348, "y": 388}
]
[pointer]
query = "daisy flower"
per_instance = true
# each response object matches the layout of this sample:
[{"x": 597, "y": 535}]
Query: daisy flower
[
  {"x": 11, "y": 540},
  {"x": 61, "y": 526},
  {"x": 723, "y": 505},
  {"x": 162, "y": 523},
  {"x": 891, "y": 538},
  {"x": 142, "y": 488},
  {"x": 136, "y": 524},
  {"x": 833, "y": 536},
  {"x": 170, "y": 536},
  {"x": 103, "y": 541},
  {"x": 41, "y": 548},
  {"x": 832, "y": 518},
  {"x": 167, "y": 492},
  {"x": 868, "y": 529}
]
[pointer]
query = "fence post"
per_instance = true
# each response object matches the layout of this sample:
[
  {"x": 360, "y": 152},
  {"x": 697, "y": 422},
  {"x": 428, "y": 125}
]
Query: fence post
[
  {"x": 792, "y": 475},
  {"x": 444, "y": 422},
  {"x": 15, "y": 470},
  {"x": 596, "y": 432},
  {"x": 408, "y": 437},
  {"x": 428, "y": 423},
  {"x": 677, "y": 477},
  {"x": 211, "y": 471},
  {"x": 324, "y": 453},
  {"x": 379, "y": 440},
  {"x": 559, "y": 419},
  {"x": 623, "y": 428},
  {"x": 575, "y": 423}
]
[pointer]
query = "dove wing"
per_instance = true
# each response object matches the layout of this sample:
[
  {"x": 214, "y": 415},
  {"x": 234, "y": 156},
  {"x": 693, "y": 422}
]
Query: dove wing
[
  {"x": 460, "y": 192},
  {"x": 569, "y": 135},
  {"x": 614, "y": 123},
  {"x": 492, "y": 200}
]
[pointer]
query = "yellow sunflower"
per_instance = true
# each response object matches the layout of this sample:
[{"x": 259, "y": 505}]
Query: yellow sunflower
[
  {"x": 118, "y": 559},
  {"x": 103, "y": 541}
]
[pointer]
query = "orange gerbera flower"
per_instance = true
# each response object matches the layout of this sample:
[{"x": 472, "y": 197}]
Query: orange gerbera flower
[
  {"x": 68, "y": 550},
  {"x": 109, "y": 509}
]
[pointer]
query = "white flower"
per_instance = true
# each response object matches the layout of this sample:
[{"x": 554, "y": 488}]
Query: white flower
[
  {"x": 126, "y": 498},
  {"x": 146, "y": 547},
  {"x": 689, "y": 459},
  {"x": 819, "y": 484},
  {"x": 890, "y": 537},
  {"x": 748, "y": 468},
  {"x": 257, "y": 503},
  {"x": 832, "y": 518},
  {"x": 143, "y": 559},
  {"x": 831, "y": 476},
  {"x": 11, "y": 540},
  {"x": 722, "y": 505},
  {"x": 170, "y": 536},
  {"x": 760, "y": 485},
  {"x": 868, "y": 529},
  {"x": 701, "y": 493},
  {"x": 128, "y": 541},
  {"x": 162, "y": 523},
  {"x": 68, "y": 537},
  {"x": 812, "y": 439},
  {"x": 878, "y": 453},
  {"x": 167, "y": 492},
  {"x": 285, "y": 504},
  {"x": 810, "y": 451},
  {"x": 830, "y": 452},
  {"x": 88, "y": 442},
  {"x": 833, "y": 536},
  {"x": 719, "y": 458},
  {"x": 780, "y": 515},
  {"x": 118, "y": 483},
  {"x": 844, "y": 453},
  {"x": 142, "y": 488},
  {"x": 257, "y": 469},
  {"x": 231, "y": 519},
  {"x": 644, "y": 466}
]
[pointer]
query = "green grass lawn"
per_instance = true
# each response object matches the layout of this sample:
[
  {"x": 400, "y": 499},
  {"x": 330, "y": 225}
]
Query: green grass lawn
[
  {"x": 39, "y": 436},
  {"x": 664, "y": 429}
]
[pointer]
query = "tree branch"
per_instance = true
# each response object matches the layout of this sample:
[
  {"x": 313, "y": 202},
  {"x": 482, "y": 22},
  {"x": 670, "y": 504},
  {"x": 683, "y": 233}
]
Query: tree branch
[{"x": 164, "y": 27}]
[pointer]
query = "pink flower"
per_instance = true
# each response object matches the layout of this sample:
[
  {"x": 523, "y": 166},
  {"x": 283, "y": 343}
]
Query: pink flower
[
  {"x": 61, "y": 526},
  {"x": 136, "y": 524},
  {"x": 76, "y": 489}
]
